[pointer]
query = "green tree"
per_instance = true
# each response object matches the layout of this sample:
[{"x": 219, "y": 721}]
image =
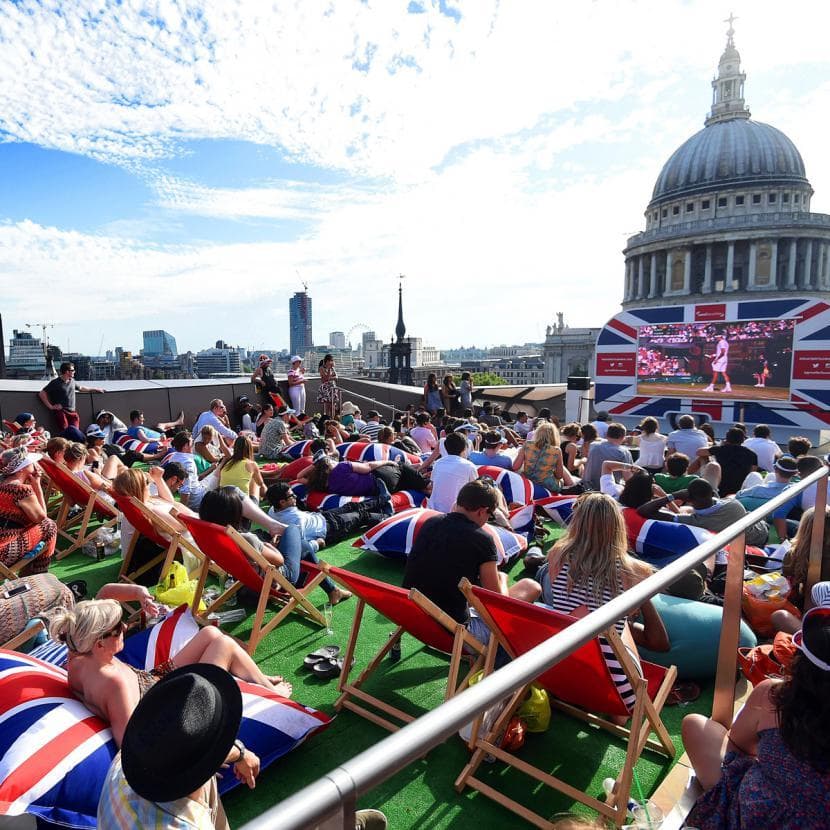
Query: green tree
[{"x": 488, "y": 379}]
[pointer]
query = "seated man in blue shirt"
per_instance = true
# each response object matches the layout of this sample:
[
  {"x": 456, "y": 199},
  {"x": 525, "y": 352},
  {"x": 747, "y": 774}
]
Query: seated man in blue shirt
[
  {"x": 326, "y": 527},
  {"x": 785, "y": 470},
  {"x": 492, "y": 443}
]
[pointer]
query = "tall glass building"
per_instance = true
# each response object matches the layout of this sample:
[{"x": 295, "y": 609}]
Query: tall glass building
[
  {"x": 299, "y": 319},
  {"x": 159, "y": 342}
]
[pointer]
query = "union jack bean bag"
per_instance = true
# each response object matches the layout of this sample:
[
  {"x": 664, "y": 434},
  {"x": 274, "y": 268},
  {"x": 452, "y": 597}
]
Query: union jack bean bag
[
  {"x": 54, "y": 753},
  {"x": 366, "y": 451},
  {"x": 290, "y": 471},
  {"x": 515, "y": 487},
  {"x": 316, "y": 500},
  {"x": 395, "y": 536},
  {"x": 297, "y": 450}
]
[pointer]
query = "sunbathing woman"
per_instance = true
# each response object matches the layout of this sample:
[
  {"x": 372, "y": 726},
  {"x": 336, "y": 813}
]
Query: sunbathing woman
[
  {"x": 241, "y": 471},
  {"x": 75, "y": 458},
  {"x": 94, "y": 634}
]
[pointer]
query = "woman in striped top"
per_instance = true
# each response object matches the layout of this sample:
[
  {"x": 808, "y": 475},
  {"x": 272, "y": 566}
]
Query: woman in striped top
[{"x": 589, "y": 566}]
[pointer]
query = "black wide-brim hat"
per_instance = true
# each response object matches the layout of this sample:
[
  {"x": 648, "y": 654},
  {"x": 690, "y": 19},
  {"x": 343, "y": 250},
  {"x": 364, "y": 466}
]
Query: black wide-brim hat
[{"x": 181, "y": 732}]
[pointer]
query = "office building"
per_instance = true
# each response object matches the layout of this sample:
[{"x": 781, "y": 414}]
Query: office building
[{"x": 299, "y": 320}]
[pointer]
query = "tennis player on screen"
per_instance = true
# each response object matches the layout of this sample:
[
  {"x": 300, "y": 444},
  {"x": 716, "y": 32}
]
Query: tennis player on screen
[{"x": 720, "y": 364}]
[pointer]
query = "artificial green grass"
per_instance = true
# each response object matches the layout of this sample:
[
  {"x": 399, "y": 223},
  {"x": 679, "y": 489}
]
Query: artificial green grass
[{"x": 422, "y": 795}]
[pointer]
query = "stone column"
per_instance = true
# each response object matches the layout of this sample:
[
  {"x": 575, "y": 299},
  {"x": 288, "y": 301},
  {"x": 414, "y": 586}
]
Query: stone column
[
  {"x": 707, "y": 271},
  {"x": 808, "y": 264},
  {"x": 652, "y": 287},
  {"x": 826, "y": 281},
  {"x": 730, "y": 266},
  {"x": 773, "y": 264},
  {"x": 641, "y": 286},
  {"x": 753, "y": 260},
  {"x": 791, "y": 264},
  {"x": 627, "y": 285},
  {"x": 687, "y": 271},
  {"x": 667, "y": 276}
]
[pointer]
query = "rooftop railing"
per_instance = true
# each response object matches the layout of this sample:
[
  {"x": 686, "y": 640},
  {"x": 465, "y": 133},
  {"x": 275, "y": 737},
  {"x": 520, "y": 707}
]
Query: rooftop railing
[{"x": 330, "y": 801}]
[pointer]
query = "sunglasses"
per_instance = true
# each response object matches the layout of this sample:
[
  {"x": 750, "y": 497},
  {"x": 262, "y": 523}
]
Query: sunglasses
[{"x": 115, "y": 631}]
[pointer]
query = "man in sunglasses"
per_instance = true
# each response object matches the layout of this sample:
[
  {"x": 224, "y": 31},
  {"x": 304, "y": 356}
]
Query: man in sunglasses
[{"x": 454, "y": 546}]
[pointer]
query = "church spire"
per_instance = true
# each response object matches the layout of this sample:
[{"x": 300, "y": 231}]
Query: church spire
[
  {"x": 400, "y": 328},
  {"x": 728, "y": 87}
]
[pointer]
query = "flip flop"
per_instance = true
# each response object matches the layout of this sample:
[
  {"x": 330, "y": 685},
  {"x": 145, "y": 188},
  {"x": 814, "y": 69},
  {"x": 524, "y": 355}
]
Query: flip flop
[
  {"x": 324, "y": 653},
  {"x": 328, "y": 668},
  {"x": 79, "y": 589},
  {"x": 683, "y": 692}
]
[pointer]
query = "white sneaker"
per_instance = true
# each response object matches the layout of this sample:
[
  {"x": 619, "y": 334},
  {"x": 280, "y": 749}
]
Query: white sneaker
[
  {"x": 709, "y": 388},
  {"x": 727, "y": 388}
]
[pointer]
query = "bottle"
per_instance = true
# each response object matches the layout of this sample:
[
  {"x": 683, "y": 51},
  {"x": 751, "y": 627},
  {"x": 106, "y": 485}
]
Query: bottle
[
  {"x": 395, "y": 651},
  {"x": 230, "y": 601},
  {"x": 227, "y": 617}
]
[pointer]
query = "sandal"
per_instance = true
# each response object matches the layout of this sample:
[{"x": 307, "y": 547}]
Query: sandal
[
  {"x": 324, "y": 653},
  {"x": 328, "y": 668}
]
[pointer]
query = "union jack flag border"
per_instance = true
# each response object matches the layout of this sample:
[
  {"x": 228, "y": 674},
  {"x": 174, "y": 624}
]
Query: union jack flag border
[{"x": 809, "y": 404}]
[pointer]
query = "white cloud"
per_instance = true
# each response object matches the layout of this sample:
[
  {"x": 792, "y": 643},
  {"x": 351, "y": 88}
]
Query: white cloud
[{"x": 499, "y": 161}]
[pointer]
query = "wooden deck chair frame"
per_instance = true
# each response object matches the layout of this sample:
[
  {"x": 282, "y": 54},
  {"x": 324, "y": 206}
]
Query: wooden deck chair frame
[
  {"x": 645, "y": 719},
  {"x": 352, "y": 694},
  {"x": 24, "y": 636},
  {"x": 149, "y": 525},
  {"x": 75, "y": 529},
  {"x": 271, "y": 586}
]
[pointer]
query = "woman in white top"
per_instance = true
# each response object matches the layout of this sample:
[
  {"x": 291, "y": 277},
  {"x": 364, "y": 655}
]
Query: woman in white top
[
  {"x": 296, "y": 384},
  {"x": 652, "y": 446}
]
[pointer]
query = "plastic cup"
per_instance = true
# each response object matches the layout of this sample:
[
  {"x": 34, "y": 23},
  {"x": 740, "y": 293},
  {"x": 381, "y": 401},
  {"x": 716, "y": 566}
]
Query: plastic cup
[
  {"x": 645, "y": 817},
  {"x": 328, "y": 614}
]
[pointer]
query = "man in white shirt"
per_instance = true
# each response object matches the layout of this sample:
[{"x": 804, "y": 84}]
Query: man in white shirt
[
  {"x": 687, "y": 438},
  {"x": 763, "y": 447},
  {"x": 451, "y": 473},
  {"x": 601, "y": 423},
  {"x": 522, "y": 426},
  {"x": 213, "y": 417}
]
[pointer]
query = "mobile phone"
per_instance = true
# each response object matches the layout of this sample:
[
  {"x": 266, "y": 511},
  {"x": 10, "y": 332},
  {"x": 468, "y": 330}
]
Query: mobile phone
[{"x": 18, "y": 589}]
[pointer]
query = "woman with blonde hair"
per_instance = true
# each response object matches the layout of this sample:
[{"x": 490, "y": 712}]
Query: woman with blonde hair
[
  {"x": 75, "y": 458},
  {"x": 540, "y": 459},
  {"x": 589, "y": 566},
  {"x": 241, "y": 471},
  {"x": 94, "y": 634}
]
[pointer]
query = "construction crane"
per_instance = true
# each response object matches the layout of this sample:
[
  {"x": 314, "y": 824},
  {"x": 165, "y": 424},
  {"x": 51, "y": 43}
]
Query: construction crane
[
  {"x": 302, "y": 281},
  {"x": 42, "y": 327}
]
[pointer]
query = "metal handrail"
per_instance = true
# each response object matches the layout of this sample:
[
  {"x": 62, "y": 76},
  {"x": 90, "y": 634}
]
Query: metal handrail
[
  {"x": 337, "y": 790},
  {"x": 391, "y": 407}
]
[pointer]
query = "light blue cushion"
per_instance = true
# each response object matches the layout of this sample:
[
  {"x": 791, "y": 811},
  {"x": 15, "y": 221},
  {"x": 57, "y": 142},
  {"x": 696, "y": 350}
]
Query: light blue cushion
[{"x": 694, "y": 633}]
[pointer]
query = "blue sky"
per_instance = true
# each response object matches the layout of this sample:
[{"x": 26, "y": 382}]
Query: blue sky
[{"x": 187, "y": 165}]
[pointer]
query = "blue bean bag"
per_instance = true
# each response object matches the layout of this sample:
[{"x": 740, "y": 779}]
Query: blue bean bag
[{"x": 694, "y": 632}]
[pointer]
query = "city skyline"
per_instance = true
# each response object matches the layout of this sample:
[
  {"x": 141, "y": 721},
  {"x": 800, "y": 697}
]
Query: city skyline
[{"x": 191, "y": 167}]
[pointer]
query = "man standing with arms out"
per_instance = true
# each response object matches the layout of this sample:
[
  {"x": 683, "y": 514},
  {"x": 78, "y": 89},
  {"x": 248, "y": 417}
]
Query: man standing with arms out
[
  {"x": 720, "y": 363},
  {"x": 454, "y": 546},
  {"x": 451, "y": 473},
  {"x": 608, "y": 450},
  {"x": 59, "y": 396}
]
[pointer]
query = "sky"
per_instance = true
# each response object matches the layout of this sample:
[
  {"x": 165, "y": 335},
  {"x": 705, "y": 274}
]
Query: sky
[{"x": 190, "y": 165}]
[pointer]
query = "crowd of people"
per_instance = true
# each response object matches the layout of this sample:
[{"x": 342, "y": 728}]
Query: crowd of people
[{"x": 212, "y": 471}]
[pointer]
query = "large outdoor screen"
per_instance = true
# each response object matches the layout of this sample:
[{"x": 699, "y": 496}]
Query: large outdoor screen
[{"x": 748, "y": 361}]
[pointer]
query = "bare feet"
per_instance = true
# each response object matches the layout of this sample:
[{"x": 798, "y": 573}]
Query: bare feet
[
  {"x": 338, "y": 595},
  {"x": 280, "y": 686}
]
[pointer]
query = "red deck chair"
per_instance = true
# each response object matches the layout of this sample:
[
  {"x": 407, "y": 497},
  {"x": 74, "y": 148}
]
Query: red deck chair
[
  {"x": 147, "y": 524},
  {"x": 75, "y": 491},
  {"x": 412, "y": 613},
  {"x": 233, "y": 554},
  {"x": 580, "y": 685}
]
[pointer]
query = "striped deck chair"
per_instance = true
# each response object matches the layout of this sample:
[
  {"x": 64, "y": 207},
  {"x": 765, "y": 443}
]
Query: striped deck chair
[
  {"x": 240, "y": 560},
  {"x": 75, "y": 529},
  {"x": 582, "y": 686},
  {"x": 414, "y": 614},
  {"x": 148, "y": 524}
]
